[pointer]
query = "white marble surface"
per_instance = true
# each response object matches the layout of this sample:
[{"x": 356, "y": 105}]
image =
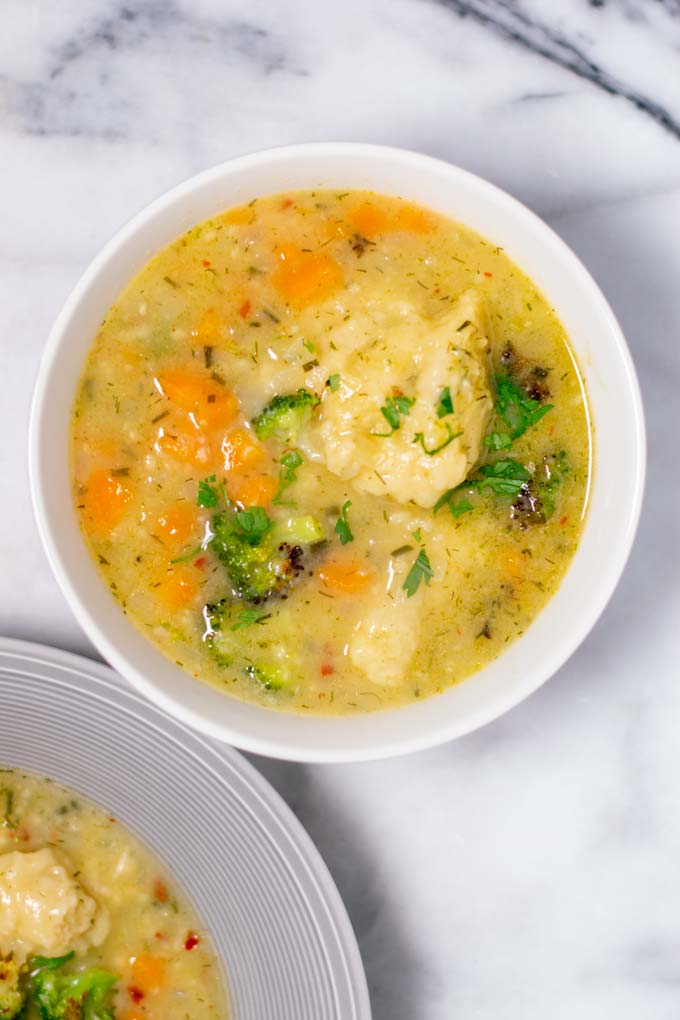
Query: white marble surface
[{"x": 531, "y": 870}]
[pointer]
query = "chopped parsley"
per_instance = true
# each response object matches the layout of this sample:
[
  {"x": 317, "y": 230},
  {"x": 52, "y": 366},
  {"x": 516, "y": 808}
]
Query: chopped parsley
[
  {"x": 254, "y": 523},
  {"x": 392, "y": 410},
  {"x": 290, "y": 462},
  {"x": 505, "y": 477},
  {"x": 207, "y": 492},
  {"x": 334, "y": 381},
  {"x": 518, "y": 411},
  {"x": 498, "y": 441},
  {"x": 445, "y": 403},
  {"x": 342, "y": 525},
  {"x": 420, "y": 571},
  {"x": 188, "y": 556},
  {"x": 420, "y": 438},
  {"x": 249, "y": 616}
]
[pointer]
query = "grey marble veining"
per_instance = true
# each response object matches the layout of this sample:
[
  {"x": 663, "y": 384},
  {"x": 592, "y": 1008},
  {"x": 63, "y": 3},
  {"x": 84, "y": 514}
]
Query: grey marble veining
[{"x": 531, "y": 869}]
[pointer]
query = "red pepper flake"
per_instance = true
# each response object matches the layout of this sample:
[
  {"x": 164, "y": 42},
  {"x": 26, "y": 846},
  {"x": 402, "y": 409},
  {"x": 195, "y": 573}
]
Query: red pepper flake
[
  {"x": 160, "y": 935},
  {"x": 244, "y": 310},
  {"x": 192, "y": 940},
  {"x": 112, "y": 820},
  {"x": 23, "y": 834},
  {"x": 563, "y": 520},
  {"x": 286, "y": 204},
  {"x": 206, "y": 262},
  {"x": 200, "y": 562},
  {"x": 488, "y": 274},
  {"x": 160, "y": 891},
  {"x": 136, "y": 994},
  {"x": 327, "y": 669}
]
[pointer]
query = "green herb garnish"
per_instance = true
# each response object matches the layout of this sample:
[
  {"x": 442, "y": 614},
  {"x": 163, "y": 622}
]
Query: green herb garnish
[
  {"x": 290, "y": 462},
  {"x": 445, "y": 403},
  {"x": 498, "y": 441},
  {"x": 420, "y": 571},
  {"x": 342, "y": 526},
  {"x": 420, "y": 438},
  {"x": 504, "y": 476},
  {"x": 249, "y": 616},
  {"x": 518, "y": 411},
  {"x": 254, "y": 523},
  {"x": 392, "y": 410},
  {"x": 208, "y": 495},
  {"x": 334, "y": 381}
]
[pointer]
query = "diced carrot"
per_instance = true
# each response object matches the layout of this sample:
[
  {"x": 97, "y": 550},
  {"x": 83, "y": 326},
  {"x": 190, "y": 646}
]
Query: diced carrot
[
  {"x": 208, "y": 330},
  {"x": 253, "y": 490},
  {"x": 178, "y": 588},
  {"x": 186, "y": 444},
  {"x": 240, "y": 450},
  {"x": 106, "y": 496},
  {"x": 148, "y": 972},
  {"x": 512, "y": 564},
  {"x": 240, "y": 214},
  {"x": 175, "y": 525},
  {"x": 368, "y": 220},
  {"x": 244, "y": 310},
  {"x": 346, "y": 577},
  {"x": 160, "y": 891},
  {"x": 206, "y": 401},
  {"x": 303, "y": 278}
]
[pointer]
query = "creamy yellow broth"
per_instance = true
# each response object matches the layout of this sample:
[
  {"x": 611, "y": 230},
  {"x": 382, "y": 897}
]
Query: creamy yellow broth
[
  {"x": 403, "y": 327},
  {"x": 56, "y": 847}
]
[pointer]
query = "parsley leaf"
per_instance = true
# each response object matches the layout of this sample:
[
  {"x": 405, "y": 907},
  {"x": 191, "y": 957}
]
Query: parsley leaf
[
  {"x": 392, "y": 409},
  {"x": 253, "y": 522},
  {"x": 445, "y": 403},
  {"x": 334, "y": 381},
  {"x": 250, "y": 616},
  {"x": 504, "y": 476},
  {"x": 420, "y": 571},
  {"x": 420, "y": 438},
  {"x": 517, "y": 411},
  {"x": 290, "y": 462},
  {"x": 342, "y": 526},
  {"x": 460, "y": 506},
  {"x": 207, "y": 492},
  {"x": 498, "y": 441},
  {"x": 188, "y": 556}
]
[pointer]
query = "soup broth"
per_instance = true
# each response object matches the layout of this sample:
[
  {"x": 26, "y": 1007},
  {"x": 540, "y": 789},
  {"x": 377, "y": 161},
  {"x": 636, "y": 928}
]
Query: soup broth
[
  {"x": 331, "y": 452},
  {"x": 74, "y": 881}
]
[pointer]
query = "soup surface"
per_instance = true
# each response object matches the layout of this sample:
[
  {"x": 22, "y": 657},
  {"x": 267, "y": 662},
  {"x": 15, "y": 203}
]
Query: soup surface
[
  {"x": 87, "y": 912},
  {"x": 331, "y": 451}
]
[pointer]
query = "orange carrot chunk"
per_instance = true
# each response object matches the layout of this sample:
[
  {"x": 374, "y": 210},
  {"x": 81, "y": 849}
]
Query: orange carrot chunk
[
  {"x": 106, "y": 496},
  {"x": 207, "y": 403},
  {"x": 253, "y": 490},
  {"x": 184, "y": 444},
  {"x": 345, "y": 577},
  {"x": 208, "y": 330},
  {"x": 176, "y": 525},
  {"x": 241, "y": 450},
  {"x": 148, "y": 972},
  {"x": 304, "y": 278},
  {"x": 178, "y": 589}
]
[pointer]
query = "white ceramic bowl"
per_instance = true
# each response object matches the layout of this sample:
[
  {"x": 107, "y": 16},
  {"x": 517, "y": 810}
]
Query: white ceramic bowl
[{"x": 615, "y": 497}]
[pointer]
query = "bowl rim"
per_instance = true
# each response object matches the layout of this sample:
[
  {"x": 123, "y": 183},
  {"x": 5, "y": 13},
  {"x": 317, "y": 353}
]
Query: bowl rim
[{"x": 448, "y": 727}]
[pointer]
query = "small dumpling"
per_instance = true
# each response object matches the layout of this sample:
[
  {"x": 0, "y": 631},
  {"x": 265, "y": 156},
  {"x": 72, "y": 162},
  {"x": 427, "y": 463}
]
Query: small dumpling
[
  {"x": 432, "y": 375},
  {"x": 43, "y": 909}
]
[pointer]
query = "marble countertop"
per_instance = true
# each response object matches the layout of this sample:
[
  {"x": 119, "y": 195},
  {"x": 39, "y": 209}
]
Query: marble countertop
[{"x": 530, "y": 870}]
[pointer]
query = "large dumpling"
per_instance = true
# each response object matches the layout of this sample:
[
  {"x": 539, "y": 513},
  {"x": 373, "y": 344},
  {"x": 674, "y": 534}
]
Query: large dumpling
[
  {"x": 43, "y": 908},
  {"x": 432, "y": 376}
]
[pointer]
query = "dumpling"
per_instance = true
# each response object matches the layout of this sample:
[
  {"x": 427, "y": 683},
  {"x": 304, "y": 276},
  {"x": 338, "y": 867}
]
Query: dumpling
[
  {"x": 435, "y": 373},
  {"x": 43, "y": 909}
]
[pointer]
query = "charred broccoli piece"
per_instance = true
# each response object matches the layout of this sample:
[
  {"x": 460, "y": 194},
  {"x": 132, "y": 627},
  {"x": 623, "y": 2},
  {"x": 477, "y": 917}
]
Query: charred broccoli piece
[
  {"x": 537, "y": 499},
  {"x": 285, "y": 416},
  {"x": 252, "y": 653},
  {"x": 80, "y": 996},
  {"x": 12, "y": 994},
  {"x": 262, "y": 558}
]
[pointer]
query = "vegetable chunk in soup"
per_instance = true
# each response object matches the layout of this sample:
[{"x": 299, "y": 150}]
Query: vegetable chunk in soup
[
  {"x": 331, "y": 451},
  {"x": 90, "y": 925}
]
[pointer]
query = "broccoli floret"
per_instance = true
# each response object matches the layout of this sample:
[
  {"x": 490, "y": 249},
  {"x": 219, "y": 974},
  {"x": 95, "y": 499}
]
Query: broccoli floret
[
  {"x": 264, "y": 560},
  {"x": 242, "y": 644},
  {"x": 81, "y": 996},
  {"x": 12, "y": 995},
  {"x": 537, "y": 499},
  {"x": 284, "y": 416}
]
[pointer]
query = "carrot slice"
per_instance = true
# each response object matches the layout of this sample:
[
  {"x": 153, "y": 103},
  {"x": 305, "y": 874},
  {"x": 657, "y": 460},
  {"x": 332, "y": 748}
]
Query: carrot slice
[
  {"x": 148, "y": 972},
  {"x": 177, "y": 589},
  {"x": 208, "y": 330},
  {"x": 346, "y": 577},
  {"x": 185, "y": 444},
  {"x": 240, "y": 450},
  {"x": 176, "y": 525},
  {"x": 304, "y": 278},
  {"x": 206, "y": 401},
  {"x": 368, "y": 220},
  {"x": 255, "y": 490},
  {"x": 105, "y": 499}
]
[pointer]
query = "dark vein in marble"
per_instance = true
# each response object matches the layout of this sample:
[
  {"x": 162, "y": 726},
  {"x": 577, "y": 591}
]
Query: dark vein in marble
[
  {"x": 506, "y": 19},
  {"x": 81, "y": 91}
]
